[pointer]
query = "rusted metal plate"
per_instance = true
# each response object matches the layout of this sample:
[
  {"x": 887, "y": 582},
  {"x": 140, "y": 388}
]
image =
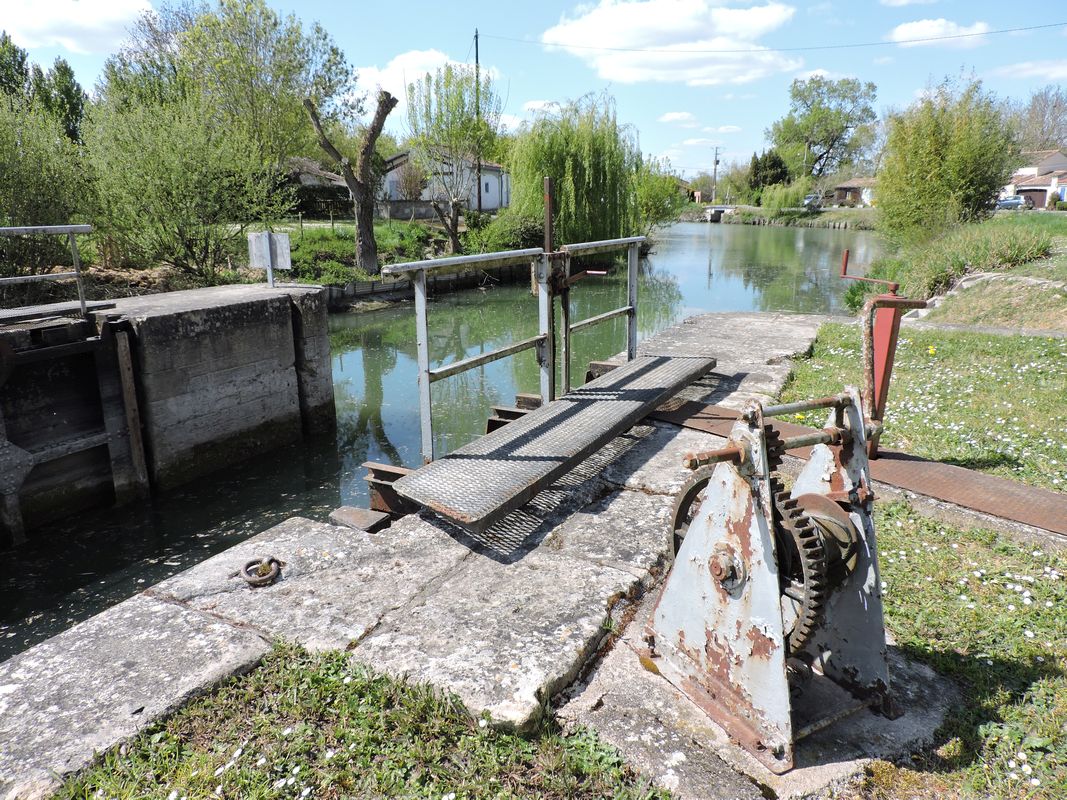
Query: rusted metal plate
[
  {"x": 998, "y": 497},
  {"x": 480, "y": 483},
  {"x": 722, "y": 642}
]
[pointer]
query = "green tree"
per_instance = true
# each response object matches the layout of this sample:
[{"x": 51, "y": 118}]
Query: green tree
[
  {"x": 767, "y": 170},
  {"x": 176, "y": 186},
  {"x": 703, "y": 183},
  {"x": 945, "y": 159},
  {"x": 453, "y": 118},
  {"x": 659, "y": 195},
  {"x": 42, "y": 182},
  {"x": 60, "y": 95},
  {"x": 592, "y": 159},
  {"x": 828, "y": 126},
  {"x": 14, "y": 68},
  {"x": 248, "y": 67}
]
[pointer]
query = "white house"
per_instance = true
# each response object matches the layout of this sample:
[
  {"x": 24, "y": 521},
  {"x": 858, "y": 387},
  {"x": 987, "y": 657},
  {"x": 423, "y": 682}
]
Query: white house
[
  {"x": 1044, "y": 176},
  {"x": 496, "y": 183}
]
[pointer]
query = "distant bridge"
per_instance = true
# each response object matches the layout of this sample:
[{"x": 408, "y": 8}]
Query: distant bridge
[{"x": 714, "y": 213}]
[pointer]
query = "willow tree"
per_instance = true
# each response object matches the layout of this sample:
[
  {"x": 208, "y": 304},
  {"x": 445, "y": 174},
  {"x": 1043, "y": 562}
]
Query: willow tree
[{"x": 593, "y": 161}]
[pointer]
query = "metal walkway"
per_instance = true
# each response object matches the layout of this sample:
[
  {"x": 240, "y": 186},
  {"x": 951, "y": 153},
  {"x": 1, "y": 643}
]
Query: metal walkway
[
  {"x": 480, "y": 483},
  {"x": 25, "y": 313}
]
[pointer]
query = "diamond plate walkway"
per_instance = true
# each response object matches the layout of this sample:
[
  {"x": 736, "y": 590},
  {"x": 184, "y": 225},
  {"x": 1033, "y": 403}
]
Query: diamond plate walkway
[{"x": 480, "y": 483}]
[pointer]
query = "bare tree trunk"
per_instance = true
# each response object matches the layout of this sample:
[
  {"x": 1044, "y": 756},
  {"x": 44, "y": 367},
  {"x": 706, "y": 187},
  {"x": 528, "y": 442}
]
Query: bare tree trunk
[
  {"x": 450, "y": 222},
  {"x": 360, "y": 180}
]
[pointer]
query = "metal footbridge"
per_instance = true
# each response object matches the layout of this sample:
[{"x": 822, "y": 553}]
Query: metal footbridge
[{"x": 479, "y": 484}]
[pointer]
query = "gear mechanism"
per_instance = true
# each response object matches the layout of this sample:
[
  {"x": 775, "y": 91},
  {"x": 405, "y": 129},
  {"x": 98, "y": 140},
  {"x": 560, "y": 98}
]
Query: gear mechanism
[{"x": 800, "y": 549}]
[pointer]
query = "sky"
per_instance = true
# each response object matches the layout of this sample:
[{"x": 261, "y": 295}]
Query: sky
[{"x": 689, "y": 75}]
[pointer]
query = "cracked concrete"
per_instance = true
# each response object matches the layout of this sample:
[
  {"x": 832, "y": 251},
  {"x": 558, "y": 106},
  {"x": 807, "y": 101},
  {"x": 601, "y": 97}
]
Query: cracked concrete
[{"x": 506, "y": 619}]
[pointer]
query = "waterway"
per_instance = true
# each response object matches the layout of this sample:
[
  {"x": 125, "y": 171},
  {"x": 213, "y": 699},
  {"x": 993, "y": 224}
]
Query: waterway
[{"x": 75, "y": 569}]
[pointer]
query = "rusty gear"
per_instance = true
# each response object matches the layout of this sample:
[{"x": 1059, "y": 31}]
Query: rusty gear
[{"x": 801, "y": 556}]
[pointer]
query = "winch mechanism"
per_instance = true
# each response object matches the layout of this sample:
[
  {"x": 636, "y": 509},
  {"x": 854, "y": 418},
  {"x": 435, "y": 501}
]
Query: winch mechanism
[{"x": 773, "y": 605}]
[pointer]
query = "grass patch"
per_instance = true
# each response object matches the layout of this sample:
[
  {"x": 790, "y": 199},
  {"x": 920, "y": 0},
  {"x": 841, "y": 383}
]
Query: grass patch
[
  {"x": 1008, "y": 304},
  {"x": 924, "y": 269},
  {"x": 322, "y": 726},
  {"x": 327, "y": 254},
  {"x": 988, "y": 613},
  {"x": 991, "y": 403}
]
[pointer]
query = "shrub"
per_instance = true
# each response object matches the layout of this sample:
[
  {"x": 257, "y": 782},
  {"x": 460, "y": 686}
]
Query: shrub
[
  {"x": 944, "y": 160},
  {"x": 1061, "y": 205},
  {"x": 509, "y": 230},
  {"x": 928, "y": 268},
  {"x": 42, "y": 182},
  {"x": 780, "y": 196}
]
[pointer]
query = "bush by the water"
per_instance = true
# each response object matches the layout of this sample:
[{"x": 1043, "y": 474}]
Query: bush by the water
[
  {"x": 927, "y": 268},
  {"x": 509, "y": 230}
]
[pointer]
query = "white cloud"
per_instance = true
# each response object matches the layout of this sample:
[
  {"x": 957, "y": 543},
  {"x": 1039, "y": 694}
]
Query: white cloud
[
  {"x": 535, "y": 105},
  {"x": 1048, "y": 70},
  {"x": 932, "y": 28},
  {"x": 402, "y": 70},
  {"x": 881, "y": 61},
  {"x": 701, "y": 142},
  {"x": 79, "y": 26},
  {"x": 722, "y": 129},
  {"x": 822, "y": 73},
  {"x": 655, "y": 40},
  {"x": 510, "y": 122},
  {"x": 901, "y": 3},
  {"x": 683, "y": 119}
]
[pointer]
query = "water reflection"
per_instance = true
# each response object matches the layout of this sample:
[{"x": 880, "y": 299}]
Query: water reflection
[{"x": 73, "y": 570}]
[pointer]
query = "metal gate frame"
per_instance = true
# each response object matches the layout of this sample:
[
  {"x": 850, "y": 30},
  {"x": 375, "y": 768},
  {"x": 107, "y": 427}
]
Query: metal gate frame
[{"x": 551, "y": 274}]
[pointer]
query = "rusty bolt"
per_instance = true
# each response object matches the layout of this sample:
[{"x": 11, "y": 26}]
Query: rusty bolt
[{"x": 722, "y": 567}]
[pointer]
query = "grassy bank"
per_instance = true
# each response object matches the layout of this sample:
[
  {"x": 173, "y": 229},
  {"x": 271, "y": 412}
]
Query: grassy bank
[
  {"x": 988, "y": 613},
  {"x": 327, "y": 253},
  {"x": 1007, "y": 241},
  {"x": 321, "y": 726},
  {"x": 863, "y": 219},
  {"x": 991, "y": 403}
]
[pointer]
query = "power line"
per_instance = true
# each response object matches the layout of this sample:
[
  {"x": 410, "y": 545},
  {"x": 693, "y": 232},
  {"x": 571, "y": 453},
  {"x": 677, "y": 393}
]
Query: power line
[{"x": 777, "y": 49}]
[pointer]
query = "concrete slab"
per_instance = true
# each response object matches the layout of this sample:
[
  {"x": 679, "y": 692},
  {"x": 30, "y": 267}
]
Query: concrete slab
[
  {"x": 336, "y": 583},
  {"x": 505, "y": 637},
  {"x": 361, "y": 519},
  {"x": 654, "y": 465},
  {"x": 100, "y": 682},
  {"x": 659, "y": 730}
]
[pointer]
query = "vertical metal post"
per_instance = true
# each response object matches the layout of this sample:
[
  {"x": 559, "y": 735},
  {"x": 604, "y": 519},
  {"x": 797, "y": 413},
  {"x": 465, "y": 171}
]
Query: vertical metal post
[
  {"x": 422, "y": 343},
  {"x": 77, "y": 270},
  {"x": 546, "y": 353},
  {"x": 631, "y": 301},
  {"x": 565, "y": 321}
]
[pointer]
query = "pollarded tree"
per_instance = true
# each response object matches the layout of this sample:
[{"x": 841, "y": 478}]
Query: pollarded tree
[
  {"x": 945, "y": 159},
  {"x": 362, "y": 179},
  {"x": 453, "y": 117},
  {"x": 828, "y": 125},
  {"x": 1042, "y": 122}
]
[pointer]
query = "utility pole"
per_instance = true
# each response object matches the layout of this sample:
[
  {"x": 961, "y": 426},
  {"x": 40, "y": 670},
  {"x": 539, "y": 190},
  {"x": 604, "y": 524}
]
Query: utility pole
[
  {"x": 478, "y": 116},
  {"x": 715, "y": 176}
]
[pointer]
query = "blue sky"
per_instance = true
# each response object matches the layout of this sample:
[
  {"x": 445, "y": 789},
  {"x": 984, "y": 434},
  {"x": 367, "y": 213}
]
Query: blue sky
[{"x": 667, "y": 62}]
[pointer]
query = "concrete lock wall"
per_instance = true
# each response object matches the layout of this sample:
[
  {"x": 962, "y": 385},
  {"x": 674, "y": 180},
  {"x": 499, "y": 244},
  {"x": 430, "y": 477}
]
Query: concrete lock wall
[
  {"x": 214, "y": 375},
  {"x": 227, "y": 372}
]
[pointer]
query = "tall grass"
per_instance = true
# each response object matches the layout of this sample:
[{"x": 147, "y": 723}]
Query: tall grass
[{"x": 925, "y": 269}]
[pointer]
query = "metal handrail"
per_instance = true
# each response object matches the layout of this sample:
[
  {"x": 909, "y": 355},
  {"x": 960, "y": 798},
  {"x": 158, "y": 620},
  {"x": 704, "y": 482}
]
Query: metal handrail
[
  {"x": 69, "y": 231},
  {"x": 544, "y": 343},
  {"x": 498, "y": 259}
]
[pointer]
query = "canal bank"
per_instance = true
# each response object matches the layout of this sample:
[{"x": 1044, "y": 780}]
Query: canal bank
[
  {"x": 421, "y": 599},
  {"x": 80, "y": 566}
]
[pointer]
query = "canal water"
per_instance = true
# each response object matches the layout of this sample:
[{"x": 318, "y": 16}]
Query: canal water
[{"x": 75, "y": 569}]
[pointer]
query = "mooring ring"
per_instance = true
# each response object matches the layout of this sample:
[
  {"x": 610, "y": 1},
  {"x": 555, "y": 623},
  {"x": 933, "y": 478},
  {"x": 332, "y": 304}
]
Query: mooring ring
[{"x": 261, "y": 571}]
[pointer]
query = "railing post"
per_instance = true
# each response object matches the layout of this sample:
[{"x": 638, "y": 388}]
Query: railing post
[
  {"x": 631, "y": 301},
  {"x": 565, "y": 321},
  {"x": 546, "y": 353},
  {"x": 422, "y": 343},
  {"x": 77, "y": 271}
]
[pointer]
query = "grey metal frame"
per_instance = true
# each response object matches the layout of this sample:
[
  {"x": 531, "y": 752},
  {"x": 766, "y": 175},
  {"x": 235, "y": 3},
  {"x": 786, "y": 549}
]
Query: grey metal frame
[
  {"x": 631, "y": 244},
  {"x": 545, "y": 341},
  {"x": 69, "y": 230}
]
